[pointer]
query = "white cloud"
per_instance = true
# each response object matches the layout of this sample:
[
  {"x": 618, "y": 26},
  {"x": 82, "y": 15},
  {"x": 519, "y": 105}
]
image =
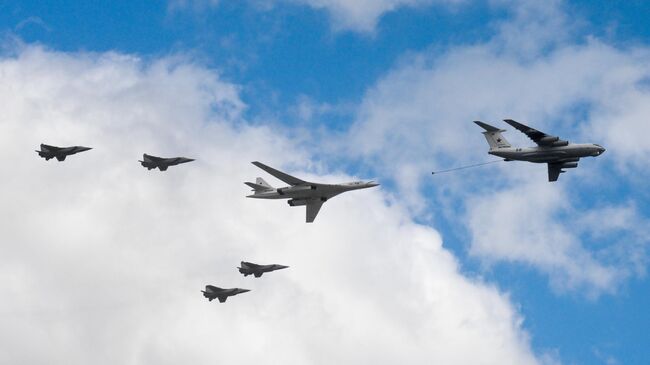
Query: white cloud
[
  {"x": 363, "y": 15},
  {"x": 418, "y": 118},
  {"x": 102, "y": 261},
  {"x": 345, "y": 15}
]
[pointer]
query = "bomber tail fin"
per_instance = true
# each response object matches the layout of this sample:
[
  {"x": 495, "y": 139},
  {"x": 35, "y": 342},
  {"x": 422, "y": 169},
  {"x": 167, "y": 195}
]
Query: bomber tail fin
[
  {"x": 493, "y": 136},
  {"x": 260, "y": 185}
]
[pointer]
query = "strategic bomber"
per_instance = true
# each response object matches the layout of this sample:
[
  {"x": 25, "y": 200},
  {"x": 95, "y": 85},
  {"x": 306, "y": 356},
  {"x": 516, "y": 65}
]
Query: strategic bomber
[
  {"x": 300, "y": 192},
  {"x": 558, "y": 154}
]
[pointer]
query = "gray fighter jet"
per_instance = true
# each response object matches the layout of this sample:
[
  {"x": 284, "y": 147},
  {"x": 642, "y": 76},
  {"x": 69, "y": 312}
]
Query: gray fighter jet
[
  {"x": 152, "y": 162},
  {"x": 249, "y": 268},
  {"x": 60, "y": 153},
  {"x": 300, "y": 192},
  {"x": 557, "y": 153},
  {"x": 212, "y": 292}
]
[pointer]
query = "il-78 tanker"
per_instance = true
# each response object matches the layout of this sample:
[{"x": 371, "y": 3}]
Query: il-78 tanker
[
  {"x": 301, "y": 192},
  {"x": 557, "y": 153}
]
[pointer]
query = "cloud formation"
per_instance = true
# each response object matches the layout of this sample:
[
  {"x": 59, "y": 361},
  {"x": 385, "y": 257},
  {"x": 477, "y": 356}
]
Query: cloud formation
[
  {"x": 363, "y": 15},
  {"x": 418, "y": 118},
  {"x": 103, "y": 261}
]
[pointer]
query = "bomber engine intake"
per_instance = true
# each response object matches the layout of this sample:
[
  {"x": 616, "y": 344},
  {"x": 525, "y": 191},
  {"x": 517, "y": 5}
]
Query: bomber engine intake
[{"x": 297, "y": 202}]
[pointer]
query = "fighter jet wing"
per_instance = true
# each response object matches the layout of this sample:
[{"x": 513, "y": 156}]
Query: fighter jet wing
[
  {"x": 541, "y": 138},
  {"x": 313, "y": 207},
  {"x": 554, "y": 171},
  {"x": 280, "y": 175},
  {"x": 46, "y": 147},
  {"x": 152, "y": 158}
]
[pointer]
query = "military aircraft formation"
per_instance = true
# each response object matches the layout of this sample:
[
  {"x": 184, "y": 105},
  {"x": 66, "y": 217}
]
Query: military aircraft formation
[{"x": 558, "y": 154}]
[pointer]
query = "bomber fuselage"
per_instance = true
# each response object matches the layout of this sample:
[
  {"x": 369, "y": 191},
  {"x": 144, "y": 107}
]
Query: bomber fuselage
[{"x": 300, "y": 192}]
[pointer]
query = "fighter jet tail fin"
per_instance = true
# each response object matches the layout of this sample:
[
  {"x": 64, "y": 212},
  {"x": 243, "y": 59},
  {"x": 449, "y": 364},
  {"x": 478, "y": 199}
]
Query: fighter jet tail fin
[{"x": 493, "y": 136}]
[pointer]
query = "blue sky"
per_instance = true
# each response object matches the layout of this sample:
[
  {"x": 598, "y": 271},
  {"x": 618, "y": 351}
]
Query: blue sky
[{"x": 300, "y": 69}]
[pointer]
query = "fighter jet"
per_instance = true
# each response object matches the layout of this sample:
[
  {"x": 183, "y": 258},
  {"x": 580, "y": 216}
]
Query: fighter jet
[
  {"x": 300, "y": 192},
  {"x": 249, "y": 268},
  {"x": 557, "y": 153},
  {"x": 151, "y": 162},
  {"x": 48, "y": 152},
  {"x": 212, "y": 292}
]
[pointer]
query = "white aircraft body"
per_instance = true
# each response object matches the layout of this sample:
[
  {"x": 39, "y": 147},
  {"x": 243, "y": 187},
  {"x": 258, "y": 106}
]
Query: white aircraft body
[{"x": 300, "y": 192}]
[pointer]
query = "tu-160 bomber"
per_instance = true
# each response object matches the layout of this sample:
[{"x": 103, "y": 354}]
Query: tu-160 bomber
[
  {"x": 60, "y": 153},
  {"x": 249, "y": 268},
  {"x": 211, "y": 292},
  {"x": 557, "y": 153},
  {"x": 152, "y": 162},
  {"x": 301, "y": 192}
]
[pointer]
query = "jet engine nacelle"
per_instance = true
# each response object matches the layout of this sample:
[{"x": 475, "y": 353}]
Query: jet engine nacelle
[
  {"x": 560, "y": 143},
  {"x": 297, "y": 202},
  {"x": 569, "y": 165},
  {"x": 283, "y": 191},
  {"x": 548, "y": 140}
]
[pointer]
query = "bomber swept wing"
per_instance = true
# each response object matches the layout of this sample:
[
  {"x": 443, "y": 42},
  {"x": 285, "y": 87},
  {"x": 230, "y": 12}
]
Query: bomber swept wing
[
  {"x": 291, "y": 180},
  {"x": 542, "y": 139}
]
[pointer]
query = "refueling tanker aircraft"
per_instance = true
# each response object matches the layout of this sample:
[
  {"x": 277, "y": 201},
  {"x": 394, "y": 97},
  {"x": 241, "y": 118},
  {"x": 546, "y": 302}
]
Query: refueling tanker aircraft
[
  {"x": 249, "y": 268},
  {"x": 49, "y": 152},
  {"x": 558, "y": 154},
  {"x": 211, "y": 292},
  {"x": 152, "y": 162},
  {"x": 300, "y": 192}
]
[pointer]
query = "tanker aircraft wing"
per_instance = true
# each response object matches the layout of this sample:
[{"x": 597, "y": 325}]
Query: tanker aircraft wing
[{"x": 542, "y": 139}]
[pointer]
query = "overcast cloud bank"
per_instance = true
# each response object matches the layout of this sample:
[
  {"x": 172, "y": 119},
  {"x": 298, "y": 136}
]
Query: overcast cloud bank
[{"x": 103, "y": 261}]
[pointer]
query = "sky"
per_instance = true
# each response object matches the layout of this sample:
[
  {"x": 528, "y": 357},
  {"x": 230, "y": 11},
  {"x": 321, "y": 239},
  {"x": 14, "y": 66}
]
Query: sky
[{"x": 103, "y": 261}]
